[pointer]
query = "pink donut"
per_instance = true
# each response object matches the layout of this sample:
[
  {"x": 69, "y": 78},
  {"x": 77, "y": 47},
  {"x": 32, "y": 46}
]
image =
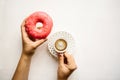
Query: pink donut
[{"x": 33, "y": 19}]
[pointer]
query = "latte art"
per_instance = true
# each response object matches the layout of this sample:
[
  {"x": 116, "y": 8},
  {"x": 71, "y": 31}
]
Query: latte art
[{"x": 60, "y": 44}]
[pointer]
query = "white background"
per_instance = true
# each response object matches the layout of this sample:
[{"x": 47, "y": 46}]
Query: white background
[{"x": 94, "y": 24}]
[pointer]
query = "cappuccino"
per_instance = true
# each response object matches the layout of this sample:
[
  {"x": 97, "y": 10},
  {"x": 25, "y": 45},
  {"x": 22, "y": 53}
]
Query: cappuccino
[{"x": 60, "y": 45}]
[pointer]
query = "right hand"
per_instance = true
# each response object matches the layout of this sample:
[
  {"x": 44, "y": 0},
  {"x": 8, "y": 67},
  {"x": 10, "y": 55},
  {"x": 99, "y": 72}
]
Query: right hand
[
  {"x": 29, "y": 46},
  {"x": 66, "y": 66}
]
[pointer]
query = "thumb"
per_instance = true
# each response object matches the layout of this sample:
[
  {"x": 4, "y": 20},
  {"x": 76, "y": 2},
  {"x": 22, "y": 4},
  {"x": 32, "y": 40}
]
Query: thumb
[
  {"x": 60, "y": 59},
  {"x": 39, "y": 42}
]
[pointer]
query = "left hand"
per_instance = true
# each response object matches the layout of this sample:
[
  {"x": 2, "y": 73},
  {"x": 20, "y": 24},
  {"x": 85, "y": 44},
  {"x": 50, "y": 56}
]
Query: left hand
[{"x": 29, "y": 46}]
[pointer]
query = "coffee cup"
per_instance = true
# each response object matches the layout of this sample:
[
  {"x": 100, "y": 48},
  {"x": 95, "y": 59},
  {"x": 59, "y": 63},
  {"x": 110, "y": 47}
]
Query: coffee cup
[{"x": 60, "y": 45}]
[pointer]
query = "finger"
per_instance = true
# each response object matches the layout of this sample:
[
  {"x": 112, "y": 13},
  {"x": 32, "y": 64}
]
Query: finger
[
  {"x": 70, "y": 62},
  {"x": 60, "y": 59},
  {"x": 23, "y": 28},
  {"x": 68, "y": 57},
  {"x": 24, "y": 34},
  {"x": 39, "y": 42}
]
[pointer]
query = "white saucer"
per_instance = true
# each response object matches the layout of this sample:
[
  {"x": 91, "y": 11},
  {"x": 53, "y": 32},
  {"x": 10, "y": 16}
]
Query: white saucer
[{"x": 61, "y": 35}]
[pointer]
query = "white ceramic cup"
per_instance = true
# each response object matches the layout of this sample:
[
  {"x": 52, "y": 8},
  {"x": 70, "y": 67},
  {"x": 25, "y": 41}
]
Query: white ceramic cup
[{"x": 60, "y": 45}]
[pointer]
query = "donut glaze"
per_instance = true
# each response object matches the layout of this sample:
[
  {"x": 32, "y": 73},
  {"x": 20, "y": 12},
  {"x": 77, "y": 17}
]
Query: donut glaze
[{"x": 33, "y": 19}]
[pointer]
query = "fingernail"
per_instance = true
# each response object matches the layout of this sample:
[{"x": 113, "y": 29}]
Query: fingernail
[{"x": 59, "y": 54}]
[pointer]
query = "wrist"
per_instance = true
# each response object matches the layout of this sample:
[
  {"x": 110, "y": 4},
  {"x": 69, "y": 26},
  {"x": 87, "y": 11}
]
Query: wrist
[
  {"x": 27, "y": 55},
  {"x": 62, "y": 78}
]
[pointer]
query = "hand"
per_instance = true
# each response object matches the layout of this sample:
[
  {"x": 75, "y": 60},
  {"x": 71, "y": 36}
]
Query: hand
[
  {"x": 29, "y": 45},
  {"x": 66, "y": 66}
]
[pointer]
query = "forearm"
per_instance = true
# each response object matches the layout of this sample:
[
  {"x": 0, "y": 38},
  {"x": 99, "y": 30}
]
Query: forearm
[{"x": 22, "y": 69}]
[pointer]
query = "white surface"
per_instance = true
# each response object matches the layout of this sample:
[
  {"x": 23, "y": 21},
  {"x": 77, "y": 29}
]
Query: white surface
[{"x": 95, "y": 25}]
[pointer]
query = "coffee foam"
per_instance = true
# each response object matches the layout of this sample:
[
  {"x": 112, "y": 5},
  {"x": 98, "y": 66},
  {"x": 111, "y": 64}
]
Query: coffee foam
[{"x": 60, "y": 45}]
